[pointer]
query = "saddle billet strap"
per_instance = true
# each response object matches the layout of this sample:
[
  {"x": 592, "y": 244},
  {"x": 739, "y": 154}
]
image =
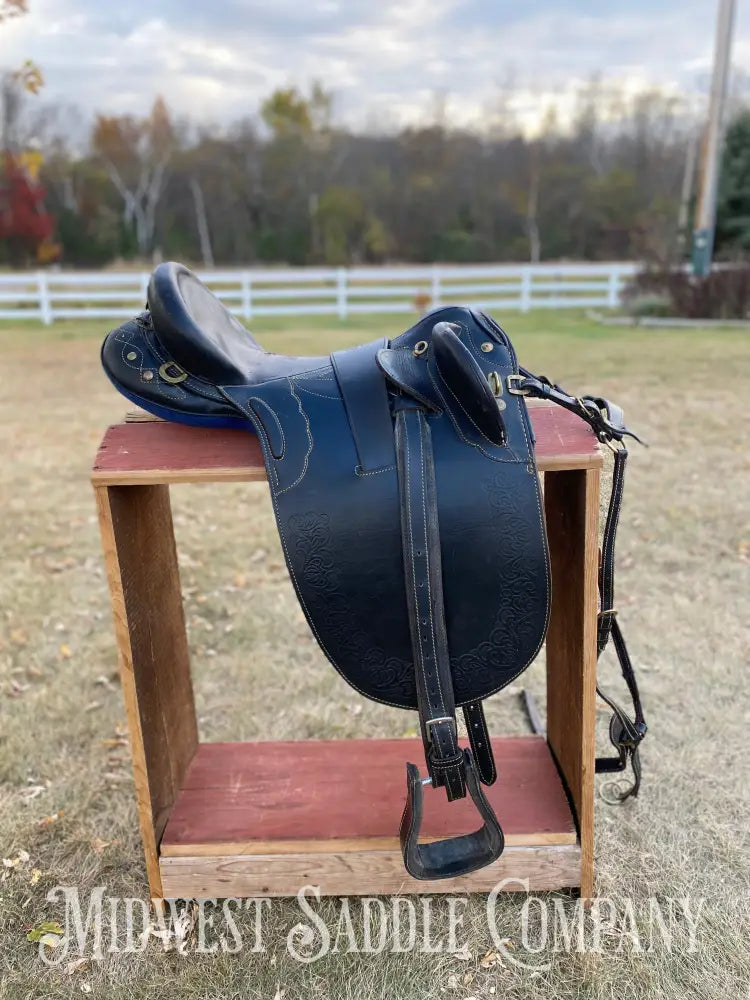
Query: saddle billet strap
[
  {"x": 607, "y": 421},
  {"x": 449, "y": 766}
]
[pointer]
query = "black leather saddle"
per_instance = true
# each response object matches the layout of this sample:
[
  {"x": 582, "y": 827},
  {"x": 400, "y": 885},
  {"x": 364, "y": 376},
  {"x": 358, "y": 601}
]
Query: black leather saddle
[{"x": 408, "y": 504}]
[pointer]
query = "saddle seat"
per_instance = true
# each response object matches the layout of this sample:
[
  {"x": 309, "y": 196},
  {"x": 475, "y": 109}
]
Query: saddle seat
[{"x": 203, "y": 337}]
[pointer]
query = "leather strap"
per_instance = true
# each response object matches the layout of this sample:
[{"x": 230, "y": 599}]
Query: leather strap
[
  {"x": 420, "y": 535},
  {"x": 607, "y": 421},
  {"x": 449, "y": 766},
  {"x": 479, "y": 737}
]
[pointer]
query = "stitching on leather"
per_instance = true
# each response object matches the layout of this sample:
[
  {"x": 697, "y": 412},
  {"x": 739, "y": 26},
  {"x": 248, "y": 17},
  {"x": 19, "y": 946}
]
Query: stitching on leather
[
  {"x": 423, "y": 484},
  {"x": 490, "y": 756},
  {"x": 463, "y": 409},
  {"x": 375, "y": 472},
  {"x": 530, "y": 449},
  {"x": 473, "y": 444},
  {"x": 302, "y": 474},
  {"x": 321, "y": 395},
  {"x": 194, "y": 382},
  {"x": 479, "y": 714},
  {"x": 410, "y": 541},
  {"x": 423, "y": 477},
  {"x": 273, "y": 413}
]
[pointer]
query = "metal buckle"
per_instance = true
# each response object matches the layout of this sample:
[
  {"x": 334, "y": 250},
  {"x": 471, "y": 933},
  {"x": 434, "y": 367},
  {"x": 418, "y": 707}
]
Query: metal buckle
[
  {"x": 171, "y": 372},
  {"x": 441, "y": 718},
  {"x": 608, "y": 611},
  {"x": 510, "y": 379}
]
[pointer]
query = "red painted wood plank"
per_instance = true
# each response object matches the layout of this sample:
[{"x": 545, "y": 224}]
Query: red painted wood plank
[
  {"x": 334, "y": 789},
  {"x": 143, "y": 450}
]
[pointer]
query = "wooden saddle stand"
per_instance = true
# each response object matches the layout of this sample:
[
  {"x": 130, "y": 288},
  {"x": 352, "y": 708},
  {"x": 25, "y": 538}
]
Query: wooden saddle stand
[{"x": 265, "y": 818}]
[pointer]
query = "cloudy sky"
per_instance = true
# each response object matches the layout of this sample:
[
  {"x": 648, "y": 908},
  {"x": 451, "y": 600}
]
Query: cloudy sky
[{"x": 385, "y": 60}]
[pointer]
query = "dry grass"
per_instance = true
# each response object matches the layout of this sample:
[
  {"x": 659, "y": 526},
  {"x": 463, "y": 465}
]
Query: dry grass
[{"x": 65, "y": 782}]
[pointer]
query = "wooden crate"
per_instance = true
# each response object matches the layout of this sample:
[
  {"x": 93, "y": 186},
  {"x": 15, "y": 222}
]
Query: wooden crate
[{"x": 263, "y": 819}]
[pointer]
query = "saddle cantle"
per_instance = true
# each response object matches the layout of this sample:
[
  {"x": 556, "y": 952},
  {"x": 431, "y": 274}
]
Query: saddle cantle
[{"x": 408, "y": 504}]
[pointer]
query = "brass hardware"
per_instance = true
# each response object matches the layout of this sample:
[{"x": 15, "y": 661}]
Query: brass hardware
[
  {"x": 516, "y": 392},
  {"x": 172, "y": 373},
  {"x": 131, "y": 355},
  {"x": 420, "y": 348},
  {"x": 608, "y": 611},
  {"x": 147, "y": 376},
  {"x": 495, "y": 384},
  {"x": 487, "y": 347}
]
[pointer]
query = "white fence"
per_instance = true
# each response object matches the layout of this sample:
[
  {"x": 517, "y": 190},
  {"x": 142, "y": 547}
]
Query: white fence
[{"x": 51, "y": 295}]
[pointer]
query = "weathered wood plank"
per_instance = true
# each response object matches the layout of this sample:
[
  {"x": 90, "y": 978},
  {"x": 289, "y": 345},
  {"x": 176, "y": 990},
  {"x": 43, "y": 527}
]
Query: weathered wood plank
[
  {"x": 572, "y": 509},
  {"x": 144, "y": 583},
  {"x": 252, "y": 798},
  {"x": 160, "y": 452},
  {"x": 365, "y": 873}
]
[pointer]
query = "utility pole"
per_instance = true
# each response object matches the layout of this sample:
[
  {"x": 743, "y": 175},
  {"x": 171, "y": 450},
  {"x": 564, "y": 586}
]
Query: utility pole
[{"x": 705, "y": 218}]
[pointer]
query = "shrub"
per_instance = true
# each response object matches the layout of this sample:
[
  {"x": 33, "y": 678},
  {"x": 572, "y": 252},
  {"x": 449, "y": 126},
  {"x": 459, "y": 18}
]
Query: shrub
[{"x": 722, "y": 294}]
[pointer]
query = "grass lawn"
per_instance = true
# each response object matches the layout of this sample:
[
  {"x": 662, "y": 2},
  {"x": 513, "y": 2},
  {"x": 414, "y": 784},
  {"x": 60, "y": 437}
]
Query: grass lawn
[{"x": 68, "y": 814}]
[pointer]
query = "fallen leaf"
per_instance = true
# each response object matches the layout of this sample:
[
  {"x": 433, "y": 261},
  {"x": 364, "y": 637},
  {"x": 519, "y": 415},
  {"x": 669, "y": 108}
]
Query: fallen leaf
[
  {"x": 99, "y": 846},
  {"x": 468, "y": 979},
  {"x": 36, "y": 875},
  {"x": 51, "y": 819},
  {"x": 86, "y": 987},
  {"x": 50, "y": 927},
  {"x": 489, "y": 960},
  {"x": 75, "y": 965},
  {"x": 463, "y": 956},
  {"x": 65, "y": 651}
]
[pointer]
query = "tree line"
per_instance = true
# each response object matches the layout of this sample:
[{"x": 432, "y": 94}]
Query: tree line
[{"x": 289, "y": 185}]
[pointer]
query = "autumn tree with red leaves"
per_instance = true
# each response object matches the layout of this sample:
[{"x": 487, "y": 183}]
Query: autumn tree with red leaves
[{"x": 26, "y": 227}]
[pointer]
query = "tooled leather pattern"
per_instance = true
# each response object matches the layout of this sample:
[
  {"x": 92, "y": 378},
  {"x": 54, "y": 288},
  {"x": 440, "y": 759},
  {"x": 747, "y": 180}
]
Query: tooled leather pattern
[{"x": 309, "y": 544}]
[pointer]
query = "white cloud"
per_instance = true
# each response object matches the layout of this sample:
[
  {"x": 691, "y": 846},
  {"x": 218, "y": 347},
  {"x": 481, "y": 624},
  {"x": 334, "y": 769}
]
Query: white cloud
[{"x": 385, "y": 61}]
